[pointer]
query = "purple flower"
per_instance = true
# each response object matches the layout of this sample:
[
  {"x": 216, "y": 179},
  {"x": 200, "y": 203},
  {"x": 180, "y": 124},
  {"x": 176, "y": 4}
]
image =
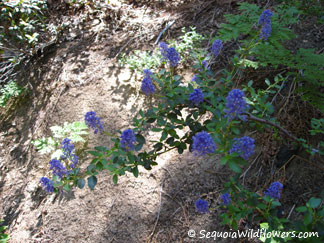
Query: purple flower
[
  {"x": 169, "y": 54},
  {"x": 173, "y": 57},
  {"x": 265, "y": 32},
  {"x": 274, "y": 190},
  {"x": 67, "y": 147},
  {"x": 194, "y": 78},
  {"x": 196, "y": 96},
  {"x": 47, "y": 184},
  {"x": 204, "y": 63},
  {"x": 147, "y": 73},
  {"x": 128, "y": 139},
  {"x": 92, "y": 121},
  {"x": 164, "y": 50},
  {"x": 74, "y": 159},
  {"x": 203, "y": 144},
  {"x": 68, "y": 152},
  {"x": 58, "y": 168},
  {"x": 265, "y": 21},
  {"x": 202, "y": 206},
  {"x": 235, "y": 104},
  {"x": 148, "y": 87},
  {"x": 216, "y": 47},
  {"x": 226, "y": 198},
  {"x": 265, "y": 17},
  {"x": 244, "y": 146}
]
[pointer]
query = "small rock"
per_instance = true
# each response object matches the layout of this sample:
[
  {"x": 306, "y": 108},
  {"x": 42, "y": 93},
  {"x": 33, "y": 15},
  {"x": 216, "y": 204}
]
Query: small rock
[{"x": 95, "y": 22}]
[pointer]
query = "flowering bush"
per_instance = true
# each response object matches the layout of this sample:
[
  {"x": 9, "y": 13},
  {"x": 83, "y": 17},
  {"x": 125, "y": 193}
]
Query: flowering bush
[
  {"x": 202, "y": 206},
  {"x": 220, "y": 132},
  {"x": 265, "y": 21},
  {"x": 274, "y": 190},
  {"x": 147, "y": 84},
  {"x": 203, "y": 143}
]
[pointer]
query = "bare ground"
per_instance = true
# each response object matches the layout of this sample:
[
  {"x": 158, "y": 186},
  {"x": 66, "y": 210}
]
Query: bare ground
[{"x": 158, "y": 206}]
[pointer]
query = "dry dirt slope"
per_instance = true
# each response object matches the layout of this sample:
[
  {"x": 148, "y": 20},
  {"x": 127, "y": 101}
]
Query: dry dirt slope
[{"x": 158, "y": 206}]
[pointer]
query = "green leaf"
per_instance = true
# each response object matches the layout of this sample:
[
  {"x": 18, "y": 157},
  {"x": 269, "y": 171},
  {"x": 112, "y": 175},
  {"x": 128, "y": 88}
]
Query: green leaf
[
  {"x": 81, "y": 183},
  {"x": 173, "y": 133},
  {"x": 99, "y": 166},
  {"x": 140, "y": 139},
  {"x": 308, "y": 219},
  {"x": 90, "y": 168},
  {"x": 101, "y": 148},
  {"x": 224, "y": 160},
  {"x": 262, "y": 206},
  {"x": 234, "y": 166},
  {"x": 155, "y": 129},
  {"x": 314, "y": 202},
  {"x": 92, "y": 182},
  {"x": 170, "y": 141},
  {"x": 321, "y": 213},
  {"x": 115, "y": 179},
  {"x": 264, "y": 226},
  {"x": 180, "y": 150},
  {"x": 95, "y": 153},
  {"x": 276, "y": 204},
  {"x": 138, "y": 147},
  {"x": 301, "y": 209},
  {"x": 158, "y": 146},
  {"x": 151, "y": 120},
  {"x": 135, "y": 171},
  {"x": 111, "y": 168},
  {"x": 236, "y": 131},
  {"x": 67, "y": 187},
  {"x": 163, "y": 136}
]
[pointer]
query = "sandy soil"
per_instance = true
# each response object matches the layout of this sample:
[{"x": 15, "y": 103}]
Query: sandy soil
[{"x": 158, "y": 206}]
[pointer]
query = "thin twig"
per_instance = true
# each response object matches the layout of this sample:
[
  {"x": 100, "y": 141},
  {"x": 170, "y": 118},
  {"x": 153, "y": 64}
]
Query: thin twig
[
  {"x": 158, "y": 215},
  {"x": 301, "y": 158},
  {"x": 287, "y": 98},
  {"x": 244, "y": 174},
  {"x": 253, "y": 118},
  {"x": 291, "y": 210},
  {"x": 281, "y": 87},
  {"x": 162, "y": 32},
  {"x": 123, "y": 47}
]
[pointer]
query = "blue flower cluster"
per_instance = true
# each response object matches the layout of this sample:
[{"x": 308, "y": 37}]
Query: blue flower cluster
[
  {"x": 58, "y": 168},
  {"x": 164, "y": 49},
  {"x": 236, "y": 104},
  {"x": 205, "y": 63},
  {"x": 147, "y": 73},
  {"x": 202, "y": 206},
  {"x": 169, "y": 54},
  {"x": 196, "y": 96},
  {"x": 216, "y": 47},
  {"x": 265, "y": 21},
  {"x": 47, "y": 184},
  {"x": 203, "y": 144},
  {"x": 68, "y": 152},
  {"x": 92, "y": 121},
  {"x": 147, "y": 84},
  {"x": 226, "y": 198},
  {"x": 244, "y": 146},
  {"x": 274, "y": 190},
  {"x": 195, "y": 78},
  {"x": 128, "y": 139}
]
